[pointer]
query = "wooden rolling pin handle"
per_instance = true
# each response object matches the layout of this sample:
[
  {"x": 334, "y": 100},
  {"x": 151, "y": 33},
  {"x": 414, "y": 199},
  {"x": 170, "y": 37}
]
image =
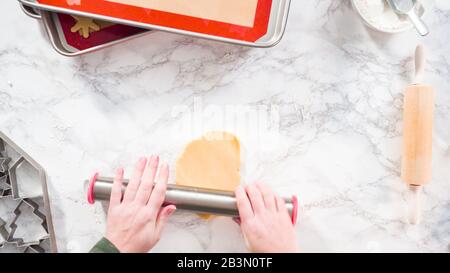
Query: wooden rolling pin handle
[
  {"x": 420, "y": 64},
  {"x": 414, "y": 204}
]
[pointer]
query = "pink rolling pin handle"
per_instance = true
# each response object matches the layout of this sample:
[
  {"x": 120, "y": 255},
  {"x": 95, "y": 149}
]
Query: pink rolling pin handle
[
  {"x": 294, "y": 209},
  {"x": 90, "y": 193}
]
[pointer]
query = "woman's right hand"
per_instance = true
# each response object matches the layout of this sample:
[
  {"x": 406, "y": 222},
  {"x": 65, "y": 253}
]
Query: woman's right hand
[{"x": 264, "y": 220}]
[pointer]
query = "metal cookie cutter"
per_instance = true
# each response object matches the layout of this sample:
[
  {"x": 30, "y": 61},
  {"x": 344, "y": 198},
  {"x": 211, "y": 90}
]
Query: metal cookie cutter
[
  {"x": 20, "y": 242},
  {"x": 11, "y": 248},
  {"x": 5, "y": 187},
  {"x": 24, "y": 170},
  {"x": 40, "y": 248},
  {"x": 15, "y": 182},
  {"x": 4, "y": 161},
  {"x": 34, "y": 249},
  {"x": 4, "y": 234}
]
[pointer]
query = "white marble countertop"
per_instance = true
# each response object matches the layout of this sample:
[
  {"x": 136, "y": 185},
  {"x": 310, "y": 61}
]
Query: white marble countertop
[{"x": 328, "y": 105}]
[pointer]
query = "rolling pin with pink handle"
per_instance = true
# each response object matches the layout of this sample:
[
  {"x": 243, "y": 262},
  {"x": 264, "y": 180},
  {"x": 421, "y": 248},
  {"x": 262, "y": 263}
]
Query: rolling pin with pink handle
[
  {"x": 417, "y": 136},
  {"x": 185, "y": 198}
]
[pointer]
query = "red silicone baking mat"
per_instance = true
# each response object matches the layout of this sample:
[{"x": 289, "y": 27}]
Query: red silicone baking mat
[
  {"x": 95, "y": 33},
  {"x": 245, "y": 20}
]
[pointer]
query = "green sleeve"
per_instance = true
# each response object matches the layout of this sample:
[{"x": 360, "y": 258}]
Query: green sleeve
[{"x": 104, "y": 246}]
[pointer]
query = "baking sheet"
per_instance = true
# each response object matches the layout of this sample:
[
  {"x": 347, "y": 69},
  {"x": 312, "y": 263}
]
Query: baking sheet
[
  {"x": 75, "y": 41},
  {"x": 229, "y": 19},
  {"x": 76, "y": 46}
]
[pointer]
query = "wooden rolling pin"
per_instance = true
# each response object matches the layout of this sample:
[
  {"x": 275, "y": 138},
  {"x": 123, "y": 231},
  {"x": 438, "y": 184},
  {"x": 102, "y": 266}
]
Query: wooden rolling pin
[{"x": 417, "y": 136}]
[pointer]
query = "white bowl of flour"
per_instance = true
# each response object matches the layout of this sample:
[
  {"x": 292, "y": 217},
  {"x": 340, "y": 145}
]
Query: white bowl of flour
[{"x": 378, "y": 15}]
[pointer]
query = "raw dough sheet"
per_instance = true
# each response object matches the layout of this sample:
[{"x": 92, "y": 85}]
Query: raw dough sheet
[
  {"x": 210, "y": 162},
  {"x": 238, "y": 12}
]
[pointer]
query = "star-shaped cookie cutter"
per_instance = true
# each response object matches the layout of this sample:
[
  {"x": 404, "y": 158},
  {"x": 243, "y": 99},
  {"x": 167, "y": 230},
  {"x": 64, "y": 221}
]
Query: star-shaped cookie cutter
[{"x": 5, "y": 187}]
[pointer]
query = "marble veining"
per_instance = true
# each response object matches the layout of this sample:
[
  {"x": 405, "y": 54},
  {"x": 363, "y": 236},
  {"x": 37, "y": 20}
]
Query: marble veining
[{"x": 329, "y": 104}]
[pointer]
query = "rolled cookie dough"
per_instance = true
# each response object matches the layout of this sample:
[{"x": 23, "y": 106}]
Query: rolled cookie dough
[
  {"x": 238, "y": 12},
  {"x": 212, "y": 162}
]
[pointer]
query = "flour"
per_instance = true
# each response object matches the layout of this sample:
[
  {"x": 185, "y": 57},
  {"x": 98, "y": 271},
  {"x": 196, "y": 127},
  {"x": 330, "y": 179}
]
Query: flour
[{"x": 379, "y": 15}]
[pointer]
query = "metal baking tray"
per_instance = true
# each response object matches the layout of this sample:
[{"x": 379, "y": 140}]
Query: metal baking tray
[
  {"x": 25, "y": 187},
  {"x": 56, "y": 36},
  {"x": 30, "y": 12},
  {"x": 276, "y": 26}
]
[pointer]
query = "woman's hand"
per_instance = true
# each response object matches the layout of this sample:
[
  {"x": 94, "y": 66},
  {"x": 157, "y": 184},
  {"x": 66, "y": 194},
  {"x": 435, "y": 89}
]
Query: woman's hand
[
  {"x": 136, "y": 219},
  {"x": 264, "y": 220}
]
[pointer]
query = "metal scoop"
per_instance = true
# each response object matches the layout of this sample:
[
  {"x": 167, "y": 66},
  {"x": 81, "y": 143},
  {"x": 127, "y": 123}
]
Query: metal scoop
[{"x": 406, "y": 7}]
